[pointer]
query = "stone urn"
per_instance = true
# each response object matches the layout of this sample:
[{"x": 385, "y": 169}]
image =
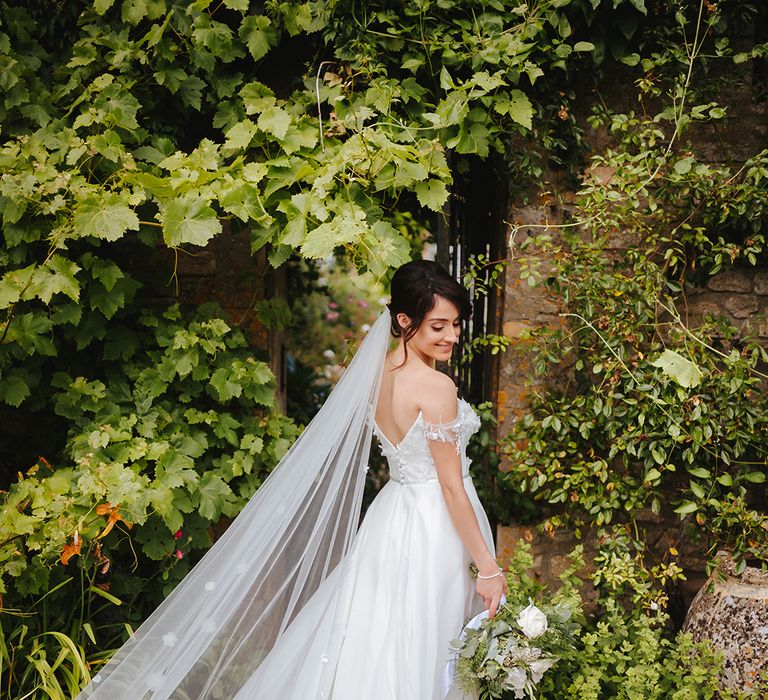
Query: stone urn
[{"x": 731, "y": 610}]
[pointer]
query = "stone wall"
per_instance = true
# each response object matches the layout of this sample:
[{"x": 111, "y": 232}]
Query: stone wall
[{"x": 740, "y": 294}]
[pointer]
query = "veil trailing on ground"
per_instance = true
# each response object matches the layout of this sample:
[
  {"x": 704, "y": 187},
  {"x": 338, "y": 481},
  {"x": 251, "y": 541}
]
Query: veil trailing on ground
[{"x": 208, "y": 637}]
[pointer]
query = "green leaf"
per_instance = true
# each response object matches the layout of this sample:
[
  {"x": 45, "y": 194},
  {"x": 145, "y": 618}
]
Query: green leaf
[
  {"x": 188, "y": 219},
  {"x": 240, "y": 5},
  {"x": 243, "y": 201},
  {"x": 57, "y": 275},
  {"x": 12, "y": 284},
  {"x": 701, "y": 473},
  {"x": 106, "y": 272},
  {"x": 432, "y": 194},
  {"x": 678, "y": 368},
  {"x": 106, "y": 217},
  {"x": 32, "y": 332},
  {"x": 240, "y": 135},
  {"x": 275, "y": 120},
  {"x": 344, "y": 228},
  {"x": 101, "y": 6},
  {"x": 653, "y": 474},
  {"x": 257, "y": 97},
  {"x": 583, "y": 46},
  {"x": 175, "y": 469},
  {"x": 755, "y": 477},
  {"x": 258, "y": 34},
  {"x": 13, "y": 390},
  {"x": 226, "y": 387},
  {"x": 517, "y": 106},
  {"x": 109, "y": 145},
  {"x": 215, "y": 495},
  {"x": 683, "y": 166},
  {"x": 697, "y": 489},
  {"x": 687, "y": 507}
]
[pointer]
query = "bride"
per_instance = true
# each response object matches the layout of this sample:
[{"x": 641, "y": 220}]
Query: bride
[{"x": 293, "y": 603}]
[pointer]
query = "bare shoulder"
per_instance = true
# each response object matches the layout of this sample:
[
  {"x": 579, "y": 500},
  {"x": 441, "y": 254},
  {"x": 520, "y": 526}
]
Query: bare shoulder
[{"x": 437, "y": 394}]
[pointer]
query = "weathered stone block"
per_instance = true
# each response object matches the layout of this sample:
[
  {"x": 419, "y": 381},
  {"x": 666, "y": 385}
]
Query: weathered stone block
[
  {"x": 730, "y": 281},
  {"x": 761, "y": 283},
  {"x": 517, "y": 329},
  {"x": 741, "y": 305}
]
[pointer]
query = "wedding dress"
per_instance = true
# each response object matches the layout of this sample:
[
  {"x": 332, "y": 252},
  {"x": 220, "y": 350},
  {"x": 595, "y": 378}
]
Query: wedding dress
[
  {"x": 293, "y": 601},
  {"x": 380, "y": 626}
]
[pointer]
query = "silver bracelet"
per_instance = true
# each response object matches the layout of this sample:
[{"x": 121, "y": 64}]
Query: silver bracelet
[{"x": 499, "y": 573}]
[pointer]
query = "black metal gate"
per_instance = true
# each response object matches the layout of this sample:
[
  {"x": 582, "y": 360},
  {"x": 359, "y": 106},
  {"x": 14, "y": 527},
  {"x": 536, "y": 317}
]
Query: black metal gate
[{"x": 472, "y": 224}]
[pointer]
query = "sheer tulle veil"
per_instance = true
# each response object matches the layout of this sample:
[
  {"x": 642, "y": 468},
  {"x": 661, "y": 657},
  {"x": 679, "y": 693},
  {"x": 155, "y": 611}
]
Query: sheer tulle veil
[{"x": 210, "y": 635}]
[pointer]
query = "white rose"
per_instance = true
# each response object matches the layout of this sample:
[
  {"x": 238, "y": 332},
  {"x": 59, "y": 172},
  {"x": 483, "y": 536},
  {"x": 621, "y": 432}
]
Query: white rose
[
  {"x": 516, "y": 679},
  {"x": 532, "y": 621},
  {"x": 540, "y": 667}
]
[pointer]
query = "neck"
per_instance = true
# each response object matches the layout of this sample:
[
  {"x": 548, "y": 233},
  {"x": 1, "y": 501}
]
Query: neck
[{"x": 414, "y": 355}]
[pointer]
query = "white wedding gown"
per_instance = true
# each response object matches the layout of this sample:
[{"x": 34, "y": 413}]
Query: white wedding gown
[{"x": 379, "y": 627}]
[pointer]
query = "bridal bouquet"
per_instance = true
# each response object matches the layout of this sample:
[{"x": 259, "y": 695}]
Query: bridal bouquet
[{"x": 512, "y": 651}]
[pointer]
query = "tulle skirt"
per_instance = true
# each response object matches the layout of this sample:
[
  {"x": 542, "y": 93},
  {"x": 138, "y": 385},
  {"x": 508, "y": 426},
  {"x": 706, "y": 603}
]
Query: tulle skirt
[{"x": 380, "y": 625}]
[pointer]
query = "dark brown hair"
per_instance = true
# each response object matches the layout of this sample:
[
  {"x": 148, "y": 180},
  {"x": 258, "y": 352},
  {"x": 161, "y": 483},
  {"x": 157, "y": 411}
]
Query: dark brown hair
[{"x": 413, "y": 291}]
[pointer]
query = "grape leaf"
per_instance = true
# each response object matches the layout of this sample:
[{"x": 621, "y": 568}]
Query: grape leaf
[
  {"x": 517, "y": 106},
  {"x": 13, "y": 390},
  {"x": 275, "y": 120},
  {"x": 188, "y": 219},
  {"x": 106, "y": 217},
  {"x": 214, "y": 496},
  {"x": 258, "y": 34},
  {"x": 432, "y": 194},
  {"x": 679, "y": 368}
]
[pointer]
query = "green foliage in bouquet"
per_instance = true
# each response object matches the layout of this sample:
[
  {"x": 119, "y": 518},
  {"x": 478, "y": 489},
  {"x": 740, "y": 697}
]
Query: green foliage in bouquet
[{"x": 513, "y": 650}]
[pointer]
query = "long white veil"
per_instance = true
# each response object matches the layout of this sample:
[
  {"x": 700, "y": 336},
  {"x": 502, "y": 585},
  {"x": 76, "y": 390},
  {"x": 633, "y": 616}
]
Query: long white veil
[{"x": 208, "y": 637}]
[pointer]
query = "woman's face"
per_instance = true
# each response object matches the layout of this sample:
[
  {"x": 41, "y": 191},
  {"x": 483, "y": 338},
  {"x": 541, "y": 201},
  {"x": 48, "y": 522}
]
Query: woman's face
[{"x": 437, "y": 333}]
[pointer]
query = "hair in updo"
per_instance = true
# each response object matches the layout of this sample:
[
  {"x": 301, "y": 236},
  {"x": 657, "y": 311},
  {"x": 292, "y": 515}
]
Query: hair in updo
[{"x": 413, "y": 290}]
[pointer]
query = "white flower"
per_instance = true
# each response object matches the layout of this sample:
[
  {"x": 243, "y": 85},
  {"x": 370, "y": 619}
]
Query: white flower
[
  {"x": 365, "y": 328},
  {"x": 329, "y": 354},
  {"x": 97, "y": 678},
  {"x": 154, "y": 681},
  {"x": 169, "y": 639},
  {"x": 540, "y": 667},
  {"x": 516, "y": 680},
  {"x": 532, "y": 621}
]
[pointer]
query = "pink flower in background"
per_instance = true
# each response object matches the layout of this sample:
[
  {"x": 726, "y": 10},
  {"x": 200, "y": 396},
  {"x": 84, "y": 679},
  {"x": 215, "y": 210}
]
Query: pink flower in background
[
  {"x": 333, "y": 305},
  {"x": 178, "y": 534},
  {"x": 179, "y": 554},
  {"x": 362, "y": 303},
  {"x": 332, "y": 316}
]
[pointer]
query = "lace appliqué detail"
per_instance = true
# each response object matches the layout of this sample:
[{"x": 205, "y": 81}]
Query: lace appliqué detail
[{"x": 445, "y": 432}]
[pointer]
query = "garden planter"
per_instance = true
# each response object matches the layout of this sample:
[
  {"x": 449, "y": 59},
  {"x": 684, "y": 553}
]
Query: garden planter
[{"x": 732, "y": 612}]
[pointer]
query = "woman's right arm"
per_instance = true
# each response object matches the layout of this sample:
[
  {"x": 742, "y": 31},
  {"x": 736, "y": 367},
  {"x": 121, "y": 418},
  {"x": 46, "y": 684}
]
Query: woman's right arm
[{"x": 440, "y": 407}]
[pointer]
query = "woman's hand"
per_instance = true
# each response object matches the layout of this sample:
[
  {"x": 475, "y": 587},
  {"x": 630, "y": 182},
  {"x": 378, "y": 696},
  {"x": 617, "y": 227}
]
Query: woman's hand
[{"x": 491, "y": 590}]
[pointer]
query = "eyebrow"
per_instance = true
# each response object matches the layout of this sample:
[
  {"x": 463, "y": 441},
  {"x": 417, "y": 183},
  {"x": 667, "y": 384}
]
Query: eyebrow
[{"x": 433, "y": 320}]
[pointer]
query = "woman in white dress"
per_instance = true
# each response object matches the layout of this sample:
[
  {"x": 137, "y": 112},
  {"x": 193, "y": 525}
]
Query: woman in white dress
[{"x": 374, "y": 617}]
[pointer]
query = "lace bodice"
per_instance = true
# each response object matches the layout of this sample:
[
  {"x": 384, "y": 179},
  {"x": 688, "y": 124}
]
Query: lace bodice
[{"x": 410, "y": 461}]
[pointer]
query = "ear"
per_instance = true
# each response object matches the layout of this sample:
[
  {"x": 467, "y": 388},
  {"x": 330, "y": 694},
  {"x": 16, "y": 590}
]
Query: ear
[{"x": 404, "y": 320}]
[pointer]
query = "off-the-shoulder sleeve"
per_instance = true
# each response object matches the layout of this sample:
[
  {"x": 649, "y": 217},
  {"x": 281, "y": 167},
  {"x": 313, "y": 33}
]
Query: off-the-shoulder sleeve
[{"x": 445, "y": 432}]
